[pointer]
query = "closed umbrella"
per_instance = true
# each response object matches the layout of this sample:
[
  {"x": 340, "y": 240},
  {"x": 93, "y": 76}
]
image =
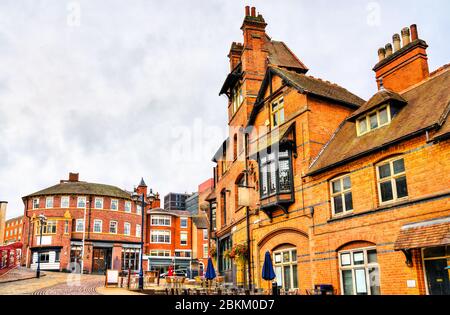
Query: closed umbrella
[
  {"x": 267, "y": 271},
  {"x": 210, "y": 272}
]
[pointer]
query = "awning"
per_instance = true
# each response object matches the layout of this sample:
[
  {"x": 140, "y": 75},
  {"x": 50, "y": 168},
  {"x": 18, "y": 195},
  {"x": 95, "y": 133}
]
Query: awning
[
  {"x": 424, "y": 234},
  {"x": 273, "y": 138}
]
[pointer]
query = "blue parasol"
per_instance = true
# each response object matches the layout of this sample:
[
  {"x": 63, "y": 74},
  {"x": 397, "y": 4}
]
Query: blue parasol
[
  {"x": 267, "y": 270},
  {"x": 210, "y": 272}
]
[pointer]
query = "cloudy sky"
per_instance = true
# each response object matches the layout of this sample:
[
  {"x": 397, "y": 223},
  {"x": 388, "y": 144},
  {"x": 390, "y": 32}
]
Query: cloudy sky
[{"x": 116, "y": 90}]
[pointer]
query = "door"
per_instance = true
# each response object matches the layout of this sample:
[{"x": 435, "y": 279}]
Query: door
[
  {"x": 101, "y": 260},
  {"x": 437, "y": 277}
]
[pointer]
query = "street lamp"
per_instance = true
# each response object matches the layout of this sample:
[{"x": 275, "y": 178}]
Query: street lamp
[
  {"x": 151, "y": 198},
  {"x": 42, "y": 219}
]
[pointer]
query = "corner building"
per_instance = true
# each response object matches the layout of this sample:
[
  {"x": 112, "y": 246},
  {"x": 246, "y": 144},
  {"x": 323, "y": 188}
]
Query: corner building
[{"x": 341, "y": 191}]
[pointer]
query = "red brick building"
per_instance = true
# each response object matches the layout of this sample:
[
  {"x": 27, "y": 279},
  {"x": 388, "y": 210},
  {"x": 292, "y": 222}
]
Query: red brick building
[
  {"x": 341, "y": 191},
  {"x": 100, "y": 220},
  {"x": 13, "y": 230}
]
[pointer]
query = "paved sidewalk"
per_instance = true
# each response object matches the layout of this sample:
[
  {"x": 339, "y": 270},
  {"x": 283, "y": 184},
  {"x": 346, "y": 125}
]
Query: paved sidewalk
[{"x": 17, "y": 274}]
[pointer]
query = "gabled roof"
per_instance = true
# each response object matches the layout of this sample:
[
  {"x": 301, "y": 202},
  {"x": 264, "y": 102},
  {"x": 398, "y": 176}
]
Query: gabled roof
[
  {"x": 82, "y": 188},
  {"x": 309, "y": 85},
  {"x": 427, "y": 109},
  {"x": 381, "y": 97}
]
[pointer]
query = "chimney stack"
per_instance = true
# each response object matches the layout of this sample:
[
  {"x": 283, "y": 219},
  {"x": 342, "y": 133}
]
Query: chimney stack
[
  {"x": 247, "y": 10},
  {"x": 253, "y": 11},
  {"x": 381, "y": 54},
  {"x": 388, "y": 49},
  {"x": 414, "y": 34},
  {"x": 73, "y": 177},
  {"x": 396, "y": 40},
  {"x": 406, "y": 64},
  {"x": 405, "y": 36}
]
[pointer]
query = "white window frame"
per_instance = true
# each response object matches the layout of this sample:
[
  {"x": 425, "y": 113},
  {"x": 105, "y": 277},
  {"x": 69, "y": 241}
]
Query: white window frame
[
  {"x": 278, "y": 101},
  {"x": 205, "y": 234},
  {"x": 138, "y": 209},
  {"x": 342, "y": 193},
  {"x": 35, "y": 203},
  {"x": 138, "y": 230},
  {"x": 100, "y": 199},
  {"x": 101, "y": 226},
  {"x": 79, "y": 198},
  {"x": 160, "y": 253},
  {"x": 181, "y": 238},
  {"x": 114, "y": 201},
  {"x": 116, "y": 224},
  {"x": 186, "y": 220},
  {"x": 159, "y": 232},
  {"x": 352, "y": 267},
  {"x": 391, "y": 178},
  {"x": 127, "y": 228},
  {"x": 77, "y": 221},
  {"x": 127, "y": 206},
  {"x": 158, "y": 217},
  {"x": 49, "y": 200},
  {"x": 291, "y": 263},
  {"x": 62, "y": 201},
  {"x": 367, "y": 119},
  {"x": 205, "y": 250}
]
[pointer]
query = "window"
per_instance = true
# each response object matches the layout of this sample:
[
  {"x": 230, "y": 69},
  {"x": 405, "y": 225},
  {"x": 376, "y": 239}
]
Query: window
[
  {"x": 66, "y": 227},
  {"x": 98, "y": 203},
  {"x": 65, "y": 202},
  {"x": 183, "y": 222},
  {"x": 205, "y": 251},
  {"x": 49, "y": 202},
  {"x": 160, "y": 220},
  {"x": 113, "y": 227},
  {"x": 138, "y": 209},
  {"x": 359, "y": 272},
  {"x": 205, "y": 234},
  {"x": 36, "y": 203},
  {"x": 48, "y": 227},
  {"x": 275, "y": 170},
  {"x": 223, "y": 206},
  {"x": 81, "y": 202},
  {"x": 277, "y": 112},
  {"x": 160, "y": 236},
  {"x": 392, "y": 181},
  {"x": 79, "y": 225},
  {"x": 127, "y": 206},
  {"x": 127, "y": 228},
  {"x": 130, "y": 258},
  {"x": 98, "y": 226},
  {"x": 237, "y": 98},
  {"x": 341, "y": 195},
  {"x": 160, "y": 253},
  {"x": 224, "y": 261},
  {"x": 44, "y": 257},
  {"x": 138, "y": 230},
  {"x": 285, "y": 263},
  {"x": 183, "y": 238},
  {"x": 376, "y": 119},
  {"x": 213, "y": 215},
  {"x": 114, "y": 204}
]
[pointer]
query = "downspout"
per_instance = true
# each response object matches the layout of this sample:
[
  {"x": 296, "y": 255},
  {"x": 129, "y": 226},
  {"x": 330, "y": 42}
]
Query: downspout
[
  {"x": 89, "y": 219},
  {"x": 28, "y": 238}
]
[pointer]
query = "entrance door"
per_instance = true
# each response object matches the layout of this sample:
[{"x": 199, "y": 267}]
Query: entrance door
[
  {"x": 101, "y": 260},
  {"x": 437, "y": 277}
]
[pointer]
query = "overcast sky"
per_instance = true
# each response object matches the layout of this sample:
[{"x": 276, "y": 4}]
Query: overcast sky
[{"x": 116, "y": 90}]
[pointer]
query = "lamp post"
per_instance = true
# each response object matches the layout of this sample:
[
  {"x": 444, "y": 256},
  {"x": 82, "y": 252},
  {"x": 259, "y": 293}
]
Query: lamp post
[
  {"x": 42, "y": 219},
  {"x": 141, "y": 256}
]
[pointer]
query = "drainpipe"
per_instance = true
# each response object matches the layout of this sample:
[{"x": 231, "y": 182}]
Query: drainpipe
[
  {"x": 28, "y": 238},
  {"x": 247, "y": 217}
]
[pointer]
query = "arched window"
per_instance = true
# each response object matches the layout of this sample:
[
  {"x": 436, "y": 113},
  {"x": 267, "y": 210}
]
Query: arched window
[
  {"x": 285, "y": 266},
  {"x": 240, "y": 182}
]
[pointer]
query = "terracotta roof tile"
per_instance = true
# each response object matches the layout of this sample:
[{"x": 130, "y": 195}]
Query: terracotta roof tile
[{"x": 424, "y": 234}]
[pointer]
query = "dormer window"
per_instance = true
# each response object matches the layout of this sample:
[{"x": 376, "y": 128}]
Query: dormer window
[{"x": 374, "y": 120}]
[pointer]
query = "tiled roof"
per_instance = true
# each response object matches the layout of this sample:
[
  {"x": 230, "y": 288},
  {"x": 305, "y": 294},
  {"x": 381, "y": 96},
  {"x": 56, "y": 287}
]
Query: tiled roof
[
  {"x": 270, "y": 139},
  {"x": 424, "y": 234},
  {"x": 308, "y": 84},
  {"x": 280, "y": 55},
  {"x": 381, "y": 97},
  {"x": 82, "y": 188},
  {"x": 427, "y": 105},
  {"x": 200, "y": 221}
]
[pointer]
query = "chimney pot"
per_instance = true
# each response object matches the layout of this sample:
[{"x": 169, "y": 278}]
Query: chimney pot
[
  {"x": 247, "y": 10},
  {"x": 406, "y": 39},
  {"x": 381, "y": 54},
  {"x": 414, "y": 34},
  {"x": 388, "y": 49},
  {"x": 396, "y": 40},
  {"x": 253, "y": 11}
]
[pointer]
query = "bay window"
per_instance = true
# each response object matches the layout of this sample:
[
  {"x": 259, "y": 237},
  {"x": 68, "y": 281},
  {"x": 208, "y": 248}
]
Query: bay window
[{"x": 276, "y": 173}]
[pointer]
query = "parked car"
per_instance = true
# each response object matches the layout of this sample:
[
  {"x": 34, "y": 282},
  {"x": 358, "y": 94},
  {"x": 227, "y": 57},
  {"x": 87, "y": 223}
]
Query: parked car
[{"x": 178, "y": 273}]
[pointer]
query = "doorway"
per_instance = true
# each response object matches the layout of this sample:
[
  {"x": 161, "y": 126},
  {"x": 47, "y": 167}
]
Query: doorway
[
  {"x": 101, "y": 259},
  {"x": 437, "y": 277}
]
